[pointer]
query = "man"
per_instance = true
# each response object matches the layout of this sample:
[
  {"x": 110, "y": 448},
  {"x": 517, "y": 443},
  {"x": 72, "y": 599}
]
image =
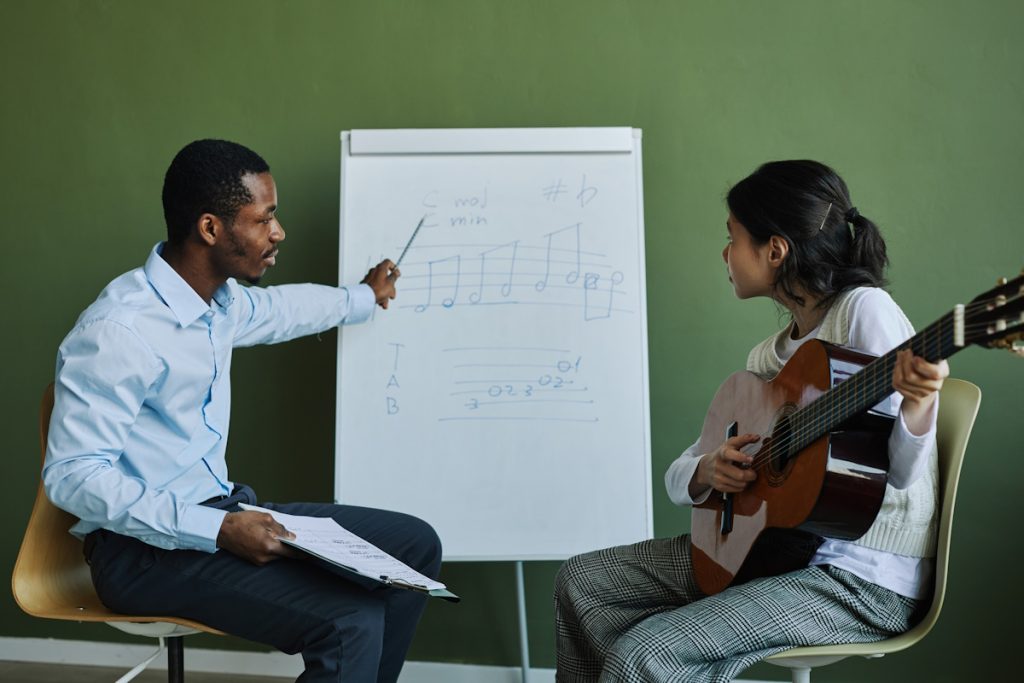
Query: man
[{"x": 140, "y": 425}]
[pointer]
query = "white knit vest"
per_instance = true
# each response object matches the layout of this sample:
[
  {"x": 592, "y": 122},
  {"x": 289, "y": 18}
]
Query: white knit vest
[{"x": 907, "y": 522}]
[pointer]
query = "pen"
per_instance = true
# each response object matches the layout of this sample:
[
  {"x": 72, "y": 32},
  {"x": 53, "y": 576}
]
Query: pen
[{"x": 409, "y": 243}]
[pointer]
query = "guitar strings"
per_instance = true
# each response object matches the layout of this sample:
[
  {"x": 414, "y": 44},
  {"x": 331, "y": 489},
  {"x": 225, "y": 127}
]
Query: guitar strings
[
  {"x": 812, "y": 416},
  {"x": 810, "y": 419},
  {"x": 930, "y": 339}
]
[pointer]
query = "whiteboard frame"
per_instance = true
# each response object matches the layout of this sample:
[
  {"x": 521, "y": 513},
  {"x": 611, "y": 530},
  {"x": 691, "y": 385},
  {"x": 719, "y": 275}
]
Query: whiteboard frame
[{"x": 467, "y": 141}]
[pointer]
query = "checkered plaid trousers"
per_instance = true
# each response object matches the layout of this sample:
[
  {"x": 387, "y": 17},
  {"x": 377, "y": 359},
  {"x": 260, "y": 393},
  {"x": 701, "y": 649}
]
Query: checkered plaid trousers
[{"x": 634, "y": 613}]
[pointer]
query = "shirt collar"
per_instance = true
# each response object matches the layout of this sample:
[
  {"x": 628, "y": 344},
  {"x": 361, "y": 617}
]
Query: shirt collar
[{"x": 186, "y": 305}]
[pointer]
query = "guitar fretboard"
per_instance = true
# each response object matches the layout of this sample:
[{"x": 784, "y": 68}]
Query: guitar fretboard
[{"x": 869, "y": 386}]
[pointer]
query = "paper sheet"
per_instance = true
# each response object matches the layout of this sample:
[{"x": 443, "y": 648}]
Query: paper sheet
[{"x": 325, "y": 538}]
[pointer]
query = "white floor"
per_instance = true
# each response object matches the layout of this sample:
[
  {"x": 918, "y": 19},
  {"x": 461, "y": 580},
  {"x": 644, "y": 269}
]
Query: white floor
[{"x": 269, "y": 664}]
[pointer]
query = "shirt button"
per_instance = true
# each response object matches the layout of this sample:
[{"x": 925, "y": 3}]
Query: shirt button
[{"x": 208, "y": 314}]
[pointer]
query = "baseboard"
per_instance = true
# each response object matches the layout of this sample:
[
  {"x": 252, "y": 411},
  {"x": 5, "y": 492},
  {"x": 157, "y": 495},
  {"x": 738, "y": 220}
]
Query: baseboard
[{"x": 89, "y": 653}]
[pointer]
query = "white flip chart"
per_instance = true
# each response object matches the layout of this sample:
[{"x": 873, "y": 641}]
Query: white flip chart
[{"x": 503, "y": 396}]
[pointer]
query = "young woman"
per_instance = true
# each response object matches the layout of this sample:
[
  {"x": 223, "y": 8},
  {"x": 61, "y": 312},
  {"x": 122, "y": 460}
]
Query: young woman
[{"x": 635, "y": 613}]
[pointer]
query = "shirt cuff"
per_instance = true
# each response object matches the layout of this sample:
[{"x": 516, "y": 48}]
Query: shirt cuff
[
  {"x": 678, "y": 477},
  {"x": 904, "y": 433},
  {"x": 361, "y": 301},
  {"x": 200, "y": 526},
  {"x": 704, "y": 496}
]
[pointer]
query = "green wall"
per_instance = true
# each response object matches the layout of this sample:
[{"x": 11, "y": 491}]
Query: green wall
[{"x": 918, "y": 104}]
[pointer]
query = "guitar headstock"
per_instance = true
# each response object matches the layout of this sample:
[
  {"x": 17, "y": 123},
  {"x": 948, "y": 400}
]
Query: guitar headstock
[{"x": 996, "y": 318}]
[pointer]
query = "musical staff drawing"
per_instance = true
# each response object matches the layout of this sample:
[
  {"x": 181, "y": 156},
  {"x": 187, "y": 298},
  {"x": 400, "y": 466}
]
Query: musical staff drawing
[
  {"x": 506, "y": 286},
  {"x": 506, "y": 274},
  {"x": 447, "y": 301},
  {"x": 572, "y": 275},
  {"x": 592, "y": 309},
  {"x": 518, "y": 383}
]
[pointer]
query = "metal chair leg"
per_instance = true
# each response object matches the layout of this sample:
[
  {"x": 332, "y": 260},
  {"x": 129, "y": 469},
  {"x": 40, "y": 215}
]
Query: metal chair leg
[
  {"x": 801, "y": 675},
  {"x": 175, "y": 660}
]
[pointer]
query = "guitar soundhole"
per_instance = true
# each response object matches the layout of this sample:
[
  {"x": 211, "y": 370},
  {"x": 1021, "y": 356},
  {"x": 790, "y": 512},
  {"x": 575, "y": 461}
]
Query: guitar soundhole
[{"x": 780, "y": 446}]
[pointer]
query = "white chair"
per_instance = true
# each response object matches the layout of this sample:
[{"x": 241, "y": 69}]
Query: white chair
[
  {"x": 52, "y": 580},
  {"x": 958, "y": 406}
]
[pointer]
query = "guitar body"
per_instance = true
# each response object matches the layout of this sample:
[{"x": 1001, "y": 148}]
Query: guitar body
[{"x": 832, "y": 487}]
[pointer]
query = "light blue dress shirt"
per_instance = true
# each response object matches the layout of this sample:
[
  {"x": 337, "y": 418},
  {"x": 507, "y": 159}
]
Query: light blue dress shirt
[{"x": 143, "y": 397}]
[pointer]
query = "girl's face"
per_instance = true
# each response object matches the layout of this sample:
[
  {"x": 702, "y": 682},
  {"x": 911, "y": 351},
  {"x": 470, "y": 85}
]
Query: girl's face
[{"x": 750, "y": 271}]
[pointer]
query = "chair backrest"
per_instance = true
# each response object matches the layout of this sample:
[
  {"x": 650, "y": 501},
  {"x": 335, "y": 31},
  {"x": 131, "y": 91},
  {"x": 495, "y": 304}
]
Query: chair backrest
[
  {"x": 51, "y": 578},
  {"x": 958, "y": 408}
]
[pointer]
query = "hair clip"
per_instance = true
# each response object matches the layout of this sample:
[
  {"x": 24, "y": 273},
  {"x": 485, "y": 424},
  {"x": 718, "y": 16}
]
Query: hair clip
[{"x": 825, "y": 217}]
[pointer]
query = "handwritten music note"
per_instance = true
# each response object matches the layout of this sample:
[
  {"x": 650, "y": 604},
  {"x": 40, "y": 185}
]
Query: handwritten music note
[
  {"x": 591, "y": 299},
  {"x": 445, "y": 274},
  {"x": 506, "y": 286},
  {"x": 573, "y": 275}
]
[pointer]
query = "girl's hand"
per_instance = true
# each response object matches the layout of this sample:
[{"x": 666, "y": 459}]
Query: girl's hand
[
  {"x": 918, "y": 381},
  {"x": 726, "y": 468}
]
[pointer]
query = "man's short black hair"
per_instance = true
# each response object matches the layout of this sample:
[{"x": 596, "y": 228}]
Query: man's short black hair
[{"x": 206, "y": 177}]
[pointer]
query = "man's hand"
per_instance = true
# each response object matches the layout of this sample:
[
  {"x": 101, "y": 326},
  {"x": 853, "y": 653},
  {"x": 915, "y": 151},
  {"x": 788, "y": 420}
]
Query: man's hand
[
  {"x": 381, "y": 279},
  {"x": 253, "y": 536}
]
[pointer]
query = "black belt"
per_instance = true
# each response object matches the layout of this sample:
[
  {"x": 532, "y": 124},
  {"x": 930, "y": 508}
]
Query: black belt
[{"x": 242, "y": 493}]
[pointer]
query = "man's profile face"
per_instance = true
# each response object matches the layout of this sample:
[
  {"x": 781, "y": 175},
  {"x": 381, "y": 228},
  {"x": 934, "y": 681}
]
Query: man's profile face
[{"x": 250, "y": 241}]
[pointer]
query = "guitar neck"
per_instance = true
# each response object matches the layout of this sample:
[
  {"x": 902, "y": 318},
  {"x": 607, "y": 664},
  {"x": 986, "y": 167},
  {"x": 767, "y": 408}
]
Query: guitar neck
[{"x": 873, "y": 383}]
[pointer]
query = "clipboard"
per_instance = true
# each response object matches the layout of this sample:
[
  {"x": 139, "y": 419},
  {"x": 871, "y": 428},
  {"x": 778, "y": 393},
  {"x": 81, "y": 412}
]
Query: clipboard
[{"x": 328, "y": 541}]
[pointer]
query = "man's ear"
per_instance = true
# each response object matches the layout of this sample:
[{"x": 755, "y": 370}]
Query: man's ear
[
  {"x": 209, "y": 228},
  {"x": 778, "y": 250}
]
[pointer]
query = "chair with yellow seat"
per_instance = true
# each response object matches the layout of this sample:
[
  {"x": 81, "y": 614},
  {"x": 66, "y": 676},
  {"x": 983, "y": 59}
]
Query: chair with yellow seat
[
  {"x": 52, "y": 580},
  {"x": 958, "y": 407}
]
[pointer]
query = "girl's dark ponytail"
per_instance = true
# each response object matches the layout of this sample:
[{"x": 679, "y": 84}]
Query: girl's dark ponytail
[
  {"x": 868, "y": 247},
  {"x": 833, "y": 248}
]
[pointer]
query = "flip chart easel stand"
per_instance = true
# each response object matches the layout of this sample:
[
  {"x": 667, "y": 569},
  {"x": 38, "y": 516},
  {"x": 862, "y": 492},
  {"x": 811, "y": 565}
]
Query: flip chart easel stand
[{"x": 524, "y": 645}]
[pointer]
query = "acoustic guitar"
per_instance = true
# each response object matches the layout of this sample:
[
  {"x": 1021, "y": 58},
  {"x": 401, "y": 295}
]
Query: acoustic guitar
[{"x": 823, "y": 459}]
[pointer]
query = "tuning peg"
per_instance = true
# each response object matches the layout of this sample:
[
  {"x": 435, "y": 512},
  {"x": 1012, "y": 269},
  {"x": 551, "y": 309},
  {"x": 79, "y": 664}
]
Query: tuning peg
[{"x": 1001, "y": 281}]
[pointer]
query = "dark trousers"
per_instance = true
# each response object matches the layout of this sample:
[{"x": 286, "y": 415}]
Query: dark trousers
[{"x": 345, "y": 630}]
